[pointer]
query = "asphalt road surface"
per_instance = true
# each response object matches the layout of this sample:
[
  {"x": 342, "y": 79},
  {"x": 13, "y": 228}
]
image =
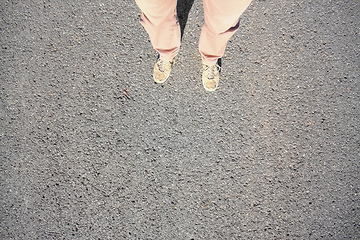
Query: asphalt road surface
[{"x": 91, "y": 148}]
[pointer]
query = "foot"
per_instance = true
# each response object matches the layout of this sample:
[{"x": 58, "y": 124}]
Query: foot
[
  {"x": 210, "y": 77},
  {"x": 162, "y": 70}
]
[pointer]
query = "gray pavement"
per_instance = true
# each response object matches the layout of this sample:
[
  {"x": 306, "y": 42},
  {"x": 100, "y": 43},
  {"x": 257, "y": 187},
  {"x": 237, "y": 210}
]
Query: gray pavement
[{"x": 91, "y": 148}]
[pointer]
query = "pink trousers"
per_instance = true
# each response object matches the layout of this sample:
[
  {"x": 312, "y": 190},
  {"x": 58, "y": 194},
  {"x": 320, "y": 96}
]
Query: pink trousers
[{"x": 159, "y": 19}]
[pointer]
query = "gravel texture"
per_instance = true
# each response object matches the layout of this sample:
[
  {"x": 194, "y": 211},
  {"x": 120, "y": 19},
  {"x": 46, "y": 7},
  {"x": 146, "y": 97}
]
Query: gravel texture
[{"x": 91, "y": 148}]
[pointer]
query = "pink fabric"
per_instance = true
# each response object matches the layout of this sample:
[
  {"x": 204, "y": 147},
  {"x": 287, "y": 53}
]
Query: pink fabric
[{"x": 221, "y": 22}]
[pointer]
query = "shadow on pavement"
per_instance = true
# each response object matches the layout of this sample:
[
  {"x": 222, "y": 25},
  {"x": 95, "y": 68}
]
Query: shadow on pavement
[{"x": 183, "y": 8}]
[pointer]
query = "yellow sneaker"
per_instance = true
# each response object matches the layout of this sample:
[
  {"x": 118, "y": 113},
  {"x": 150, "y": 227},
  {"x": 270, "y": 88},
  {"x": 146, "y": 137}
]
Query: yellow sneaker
[
  {"x": 210, "y": 77},
  {"x": 162, "y": 70}
]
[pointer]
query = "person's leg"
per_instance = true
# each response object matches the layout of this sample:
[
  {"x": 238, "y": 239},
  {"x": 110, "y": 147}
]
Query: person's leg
[
  {"x": 160, "y": 21},
  {"x": 221, "y": 22}
]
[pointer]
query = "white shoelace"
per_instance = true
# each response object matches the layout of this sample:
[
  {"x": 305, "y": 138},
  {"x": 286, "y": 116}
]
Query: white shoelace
[
  {"x": 162, "y": 65},
  {"x": 211, "y": 69}
]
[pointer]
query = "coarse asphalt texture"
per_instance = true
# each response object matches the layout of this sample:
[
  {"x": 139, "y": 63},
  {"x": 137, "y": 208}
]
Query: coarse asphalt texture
[{"x": 92, "y": 148}]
